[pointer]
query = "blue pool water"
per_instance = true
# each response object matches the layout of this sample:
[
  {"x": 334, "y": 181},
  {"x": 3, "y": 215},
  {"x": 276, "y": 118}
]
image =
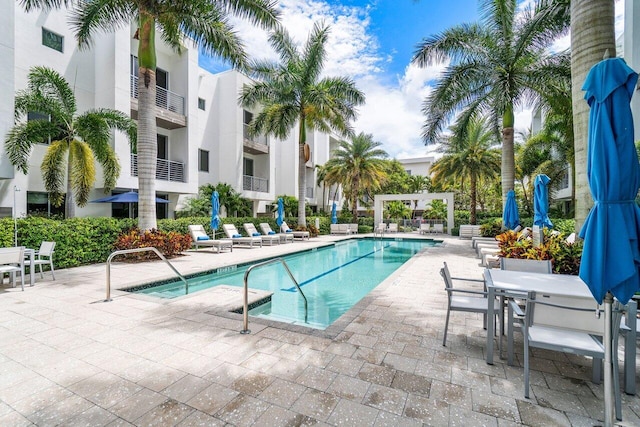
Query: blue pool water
[{"x": 333, "y": 279}]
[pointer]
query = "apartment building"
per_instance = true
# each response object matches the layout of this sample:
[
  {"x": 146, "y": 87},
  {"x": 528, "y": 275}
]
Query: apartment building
[{"x": 202, "y": 136}]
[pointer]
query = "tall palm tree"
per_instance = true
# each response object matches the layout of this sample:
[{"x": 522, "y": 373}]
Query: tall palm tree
[
  {"x": 417, "y": 184},
  {"x": 470, "y": 157},
  {"x": 357, "y": 165},
  {"x": 76, "y": 140},
  {"x": 203, "y": 21},
  {"x": 292, "y": 91},
  {"x": 592, "y": 33},
  {"x": 496, "y": 65}
]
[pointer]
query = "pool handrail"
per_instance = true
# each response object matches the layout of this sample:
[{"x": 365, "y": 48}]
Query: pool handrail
[
  {"x": 245, "y": 310},
  {"x": 129, "y": 251}
]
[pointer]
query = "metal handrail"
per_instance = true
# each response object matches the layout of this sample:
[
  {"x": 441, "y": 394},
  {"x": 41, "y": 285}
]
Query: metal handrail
[
  {"x": 130, "y": 251},
  {"x": 245, "y": 311}
]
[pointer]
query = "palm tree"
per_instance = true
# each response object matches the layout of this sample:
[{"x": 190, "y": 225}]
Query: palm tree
[
  {"x": 592, "y": 33},
  {"x": 496, "y": 65},
  {"x": 418, "y": 184},
  {"x": 292, "y": 91},
  {"x": 83, "y": 138},
  {"x": 469, "y": 157},
  {"x": 321, "y": 175},
  {"x": 205, "y": 22},
  {"x": 357, "y": 165}
]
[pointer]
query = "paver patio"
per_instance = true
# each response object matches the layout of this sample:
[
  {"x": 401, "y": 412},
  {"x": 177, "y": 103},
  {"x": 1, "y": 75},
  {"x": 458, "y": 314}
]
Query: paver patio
[{"x": 68, "y": 358}]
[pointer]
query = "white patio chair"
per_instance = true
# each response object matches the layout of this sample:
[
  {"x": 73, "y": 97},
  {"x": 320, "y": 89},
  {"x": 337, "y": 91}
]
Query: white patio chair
[
  {"x": 44, "y": 255},
  {"x": 392, "y": 228},
  {"x": 284, "y": 237},
  {"x": 438, "y": 228},
  {"x": 200, "y": 238},
  {"x": 12, "y": 262},
  {"x": 232, "y": 233},
  {"x": 251, "y": 230},
  {"x": 425, "y": 228},
  {"x": 296, "y": 234},
  {"x": 467, "y": 300}
]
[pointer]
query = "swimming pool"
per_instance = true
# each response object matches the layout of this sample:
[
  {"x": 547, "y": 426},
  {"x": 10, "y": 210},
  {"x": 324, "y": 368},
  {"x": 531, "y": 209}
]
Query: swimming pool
[{"x": 332, "y": 278}]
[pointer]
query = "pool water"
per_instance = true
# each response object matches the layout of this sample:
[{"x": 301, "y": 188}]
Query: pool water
[{"x": 333, "y": 279}]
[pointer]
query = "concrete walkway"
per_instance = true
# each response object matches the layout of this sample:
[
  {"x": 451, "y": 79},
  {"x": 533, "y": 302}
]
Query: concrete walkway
[{"x": 68, "y": 358}]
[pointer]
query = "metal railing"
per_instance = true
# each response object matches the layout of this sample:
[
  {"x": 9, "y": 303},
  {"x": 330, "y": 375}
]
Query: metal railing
[
  {"x": 165, "y": 99},
  {"x": 166, "y": 170},
  {"x": 256, "y": 139},
  {"x": 252, "y": 183},
  {"x": 245, "y": 309},
  {"x": 130, "y": 251}
]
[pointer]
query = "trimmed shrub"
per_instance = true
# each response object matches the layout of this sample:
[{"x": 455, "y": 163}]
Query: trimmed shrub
[{"x": 170, "y": 244}]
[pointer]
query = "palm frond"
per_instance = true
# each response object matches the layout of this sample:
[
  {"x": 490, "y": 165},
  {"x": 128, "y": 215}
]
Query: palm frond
[
  {"x": 88, "y": 17},
  {"x": 22, "y": 137},
  {"x": 54, "y": 169},
  {"x": 83, "y": 171}
]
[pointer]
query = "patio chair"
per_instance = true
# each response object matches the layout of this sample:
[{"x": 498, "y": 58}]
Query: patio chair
[
  {"x": 425, "y": 228},
  {"x": 353, "y": 228},
  {"x": 232, "y": 233},
  {"x": 284, "y": 237},
  {"x": 200, "y": 238},
  {"x": 569, "y": 325},
  {"x": 380, "y": 229},
  {"x": 516, "y": 304},
  {"x": 468, "y": 300},
  {"x": 438, "y": 228},
  {"x": 12, "y": 262},
  {"x": 392, "y": 228},
  {"x": 296, "y": 234},
  {"x": 251, "y": 230},
  {"x": 44, "y": 255}
]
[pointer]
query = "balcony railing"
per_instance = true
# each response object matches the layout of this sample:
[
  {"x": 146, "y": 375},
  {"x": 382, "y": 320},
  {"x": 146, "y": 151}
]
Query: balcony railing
[
  {"x": 164, "y": 98},
  {"x": 252, "y": 183},
  {"x": 166, "y": 170},
  {"x": 257, "y": 139}
]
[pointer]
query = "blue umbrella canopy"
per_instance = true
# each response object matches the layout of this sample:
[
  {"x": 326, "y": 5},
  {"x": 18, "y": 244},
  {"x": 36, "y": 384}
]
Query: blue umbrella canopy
[
  {"x": 611, "y": 232},
  {"x": 334, "y": 214},
  {"x": 510, "y": 216},
  {"x": 280, "y": 217},
  {"x": 215, "y": 210},
  {"x": 128, "y": 197},
  {"x": 541, "y": 201}
]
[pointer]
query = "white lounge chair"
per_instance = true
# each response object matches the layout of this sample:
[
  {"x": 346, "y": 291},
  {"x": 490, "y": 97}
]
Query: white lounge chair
[
  {"x": 12, "y": 262},
  {"x": 44, "y": 255},
  {"x": 425, "y": 228},
  {"x": 232, "y": 233},
  {"x": 392, "y": 227},
  {"x": 339, "y": 229},
  {"x": 353, "y": 228},
  {"x": 200, "y": 238},
  {"x": 438, "y": 228},
  {"x": 296, "y": 234},
  {"x": 380, "y": 229},
  {"x": 284, "y": 237},
  {"x": 266, "y": 238}
]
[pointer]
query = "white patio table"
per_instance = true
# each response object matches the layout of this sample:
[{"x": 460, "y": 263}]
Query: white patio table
[{"x": 501, "y": 282}]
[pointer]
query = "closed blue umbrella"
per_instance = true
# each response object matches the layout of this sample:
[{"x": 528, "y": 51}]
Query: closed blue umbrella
[
  {"x": 611, "y": 232},
  {"x": 280, "y": 217},
  {"x": 510, "y": 216},
  {"x": 541, "y": 201},
  {"x": 334, "y": 214},
  {"x": 215, "y": 211}
]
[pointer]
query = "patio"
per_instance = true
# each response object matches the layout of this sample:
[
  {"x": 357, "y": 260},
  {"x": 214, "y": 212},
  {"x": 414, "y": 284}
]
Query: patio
[{"x": 69, "y": 358}]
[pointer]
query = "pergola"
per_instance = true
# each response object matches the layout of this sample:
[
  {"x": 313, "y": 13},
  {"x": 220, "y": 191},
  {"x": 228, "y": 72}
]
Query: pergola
[{"x": 379, "y": 199}]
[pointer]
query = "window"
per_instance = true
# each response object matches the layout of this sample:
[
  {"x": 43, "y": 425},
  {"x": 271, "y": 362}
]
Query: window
[
  {"x": 52, "y": 40},
  {"x": 247, "y": 117},
  {"x": 203, "y": 161},
  {"x": 201, "y": 103},
  {"x": 247, "y": 167},
  {"x": 38, "y": 203},
  {"x": 163, "y": 147},
  {"x": 408, "y": 171}
]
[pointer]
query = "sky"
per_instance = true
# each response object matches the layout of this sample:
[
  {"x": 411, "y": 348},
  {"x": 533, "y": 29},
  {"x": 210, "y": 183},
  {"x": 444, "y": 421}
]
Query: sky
[{"x": 372, "y": 42}]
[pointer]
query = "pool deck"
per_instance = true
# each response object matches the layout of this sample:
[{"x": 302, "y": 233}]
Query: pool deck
[{"x": 69, "y": 358}]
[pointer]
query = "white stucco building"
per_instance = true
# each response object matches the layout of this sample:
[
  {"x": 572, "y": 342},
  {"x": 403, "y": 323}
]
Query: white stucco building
[{"x": 201, "y": 128}]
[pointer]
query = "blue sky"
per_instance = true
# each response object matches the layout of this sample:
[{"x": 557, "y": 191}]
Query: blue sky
[{"x": 372, "y": 41}]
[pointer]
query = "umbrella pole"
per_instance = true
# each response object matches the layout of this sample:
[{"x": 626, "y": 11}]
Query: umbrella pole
[{"x": 608, "y": 366}]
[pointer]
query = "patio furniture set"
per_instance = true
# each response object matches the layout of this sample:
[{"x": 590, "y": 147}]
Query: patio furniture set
[{"x": 14, "y": 260}]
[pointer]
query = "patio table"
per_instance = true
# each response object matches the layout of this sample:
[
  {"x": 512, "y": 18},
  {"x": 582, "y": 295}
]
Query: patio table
[{"x": 501, "y": 282}]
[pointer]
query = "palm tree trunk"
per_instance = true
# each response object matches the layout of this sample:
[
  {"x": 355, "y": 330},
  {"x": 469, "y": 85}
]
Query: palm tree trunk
[
  {"x": 508, "y": 161},
  {"x": 355, "y": 189},
  {"x": 592, "y": 33},
  {"x": 147, "y": 132},
  {"x": 473, "y": 186},
  {"x": 69, "y": 204},
  {"x": 302, "y": 175}
]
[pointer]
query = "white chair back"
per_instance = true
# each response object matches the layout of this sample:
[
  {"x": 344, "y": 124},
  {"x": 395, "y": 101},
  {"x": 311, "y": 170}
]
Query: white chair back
[
  {"x": 528, "y": 265},
  {"x": 46, "y": 249},
  {"x": 12, "y": 256}
]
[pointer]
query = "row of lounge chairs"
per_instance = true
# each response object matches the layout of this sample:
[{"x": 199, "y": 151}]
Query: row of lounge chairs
[
  {"x": 343, "y": 229},
  {"x": 254, "y": 238}
]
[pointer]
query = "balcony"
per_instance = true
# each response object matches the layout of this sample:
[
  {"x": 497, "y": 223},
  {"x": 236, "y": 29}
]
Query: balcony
[
  {"x": 252, "y": 183},
  {"x": 166, "y": 170},
  {"x": 254, "y": 144},
  {"x": 170, "y": 107}
]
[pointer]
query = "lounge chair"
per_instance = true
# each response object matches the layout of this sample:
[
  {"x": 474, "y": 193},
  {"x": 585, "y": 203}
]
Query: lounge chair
[
  {"x": 284, "y": 237},
  {"x": 438, "y": 228},
  {"x": 200, "y": 238},
  {"x": 12, "y": 261},
  {"x": 266, "y": 238},
  {"x": 392, "y": 228},
  {"x": 424, "y": 228},
  {"x": 44, "y": 255},
  {"x": 380, "y": 229},
  {"x": 353, "y": 228},
  {"x": 296, "y": 234},
  {"x": 232, "y": 233},
  {"x": 339, "y": 229}
]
